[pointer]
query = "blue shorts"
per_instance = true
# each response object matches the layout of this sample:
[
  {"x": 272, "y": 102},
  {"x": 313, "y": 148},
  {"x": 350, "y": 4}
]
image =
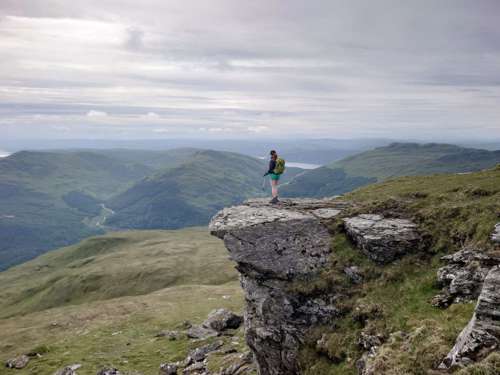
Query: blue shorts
[{"x": 274, "y": 176}]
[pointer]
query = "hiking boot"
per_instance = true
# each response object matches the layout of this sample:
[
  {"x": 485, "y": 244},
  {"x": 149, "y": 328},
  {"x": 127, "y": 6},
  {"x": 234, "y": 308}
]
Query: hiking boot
[{"x": 274, "y": 200}]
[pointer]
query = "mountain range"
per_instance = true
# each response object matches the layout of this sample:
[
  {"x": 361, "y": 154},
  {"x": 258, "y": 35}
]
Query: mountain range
[{"x": 397, "y": 159}]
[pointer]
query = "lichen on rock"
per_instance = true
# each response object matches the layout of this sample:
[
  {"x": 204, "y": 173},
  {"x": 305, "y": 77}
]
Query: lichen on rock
[
  {"x": 274, "y": 246},
  {"x": 482, "y": 335},
  {"x": 383, "y": 239}
]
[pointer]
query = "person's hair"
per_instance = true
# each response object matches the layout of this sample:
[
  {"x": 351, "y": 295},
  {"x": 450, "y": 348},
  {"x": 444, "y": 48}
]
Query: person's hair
[{"x": 273, "y": 152}]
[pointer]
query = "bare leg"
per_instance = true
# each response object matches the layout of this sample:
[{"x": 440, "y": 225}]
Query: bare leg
[{"x": 274, "y": 188}]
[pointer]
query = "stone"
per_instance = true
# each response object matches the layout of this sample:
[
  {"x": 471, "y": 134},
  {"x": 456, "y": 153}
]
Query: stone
[
  {"x": 353, "y": 273},
  {"x": 109, "y": 371},
  {"x": 168, "y": 369},
  {"x": 243, "y": 365},
  {"x": 482, "y": 334},
  {"x": 463, "y": 276},
  {"x": 200, "y": 332},
  {"x": 495, "y": 236},
  {"x": 199, "y": 354},
  {"x": 326, "y": 213},
  {"x": 222, "y": 319},
  {"x": 273, "y": 246},
  {"x": 68, "y": 370},
  {"x": 383, "y": 240},
  {"x": 195, "y": 368},
  {"x": 18, "y": 362}
]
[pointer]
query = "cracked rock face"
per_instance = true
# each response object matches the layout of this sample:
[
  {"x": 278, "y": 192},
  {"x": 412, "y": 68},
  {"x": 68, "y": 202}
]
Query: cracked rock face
[
  {"x": 482, "y": 334},
  {"x": 274, "y": 246},
  {"x": 383, "y": 240},
  {"x": 463, "y": 276},
  {"x": 495, "y": 237}
]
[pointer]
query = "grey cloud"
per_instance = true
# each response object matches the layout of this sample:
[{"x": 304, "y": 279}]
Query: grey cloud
[{"x": 322, "y": 68}]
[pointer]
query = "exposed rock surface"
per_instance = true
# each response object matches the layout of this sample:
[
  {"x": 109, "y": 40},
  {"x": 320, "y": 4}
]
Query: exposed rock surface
[
  {"x": 109, "y": 371},
  {"x": 69, "y": 370},
  {"x": 463, "y": 276},
  {"x": 168, "y": 369},
  {"x": 222, "y": 319},
  {"x": 482, "y": 334},
  {"x": 18, "y": 362},
  {"x": 273, "y": 246},
  {"x": 383, "y": 240},
  {"x": 495, "y": 237}
]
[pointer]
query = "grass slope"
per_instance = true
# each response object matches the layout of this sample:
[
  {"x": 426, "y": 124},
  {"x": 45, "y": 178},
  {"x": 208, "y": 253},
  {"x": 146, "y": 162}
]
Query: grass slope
[
  {"x": 114, "y": 265},
  {"x": 398, "y": 159},
  {"x": 451, "y": 211},
  {"x": 101, "y": 302}
]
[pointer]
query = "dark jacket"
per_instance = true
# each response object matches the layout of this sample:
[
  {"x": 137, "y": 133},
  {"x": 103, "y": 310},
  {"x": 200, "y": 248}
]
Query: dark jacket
[{"x": 272, "y": 165}]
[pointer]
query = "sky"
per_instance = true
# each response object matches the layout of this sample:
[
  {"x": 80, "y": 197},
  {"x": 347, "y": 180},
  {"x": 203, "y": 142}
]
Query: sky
[{"x": 420, "y": 69}]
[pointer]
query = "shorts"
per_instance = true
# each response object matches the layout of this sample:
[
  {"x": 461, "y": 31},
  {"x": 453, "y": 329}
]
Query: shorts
[{"x": 274, "y": 176}]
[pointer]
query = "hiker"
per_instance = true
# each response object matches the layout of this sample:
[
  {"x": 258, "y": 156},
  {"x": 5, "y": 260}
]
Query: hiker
[{"x": 276, "y": 169}]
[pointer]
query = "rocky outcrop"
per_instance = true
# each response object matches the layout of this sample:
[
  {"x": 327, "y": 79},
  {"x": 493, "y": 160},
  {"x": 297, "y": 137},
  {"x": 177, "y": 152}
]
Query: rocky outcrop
[
  {"x": 273, "y": 247},
  {"x": 463, "y": 276},
  {"x": 69, "y": 370},
  {"x": 383, "y": 240},
  {"x": 482, "y": 334},
  {"x": 18, "y": 362},
  {"x": 222, "y": 319},
  {"x": 495, "y": 236}
]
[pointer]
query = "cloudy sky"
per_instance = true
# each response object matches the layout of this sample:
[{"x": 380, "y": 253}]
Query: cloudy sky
[{"x": 261, "y": 68}]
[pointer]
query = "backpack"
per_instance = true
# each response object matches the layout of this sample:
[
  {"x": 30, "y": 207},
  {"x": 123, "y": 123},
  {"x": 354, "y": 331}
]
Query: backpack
[{"x": 280, "y": 166}]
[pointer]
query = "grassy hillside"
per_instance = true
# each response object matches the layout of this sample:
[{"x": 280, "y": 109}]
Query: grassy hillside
[
  {"x": 398, "y": 159},
  {"x": 114, "y": 265},
  {"x": 45, "y": 196},
  {"x": 101, "y": 302},
  {"x": 190, "y": 193},
  {"x": 451, "y": 211}
]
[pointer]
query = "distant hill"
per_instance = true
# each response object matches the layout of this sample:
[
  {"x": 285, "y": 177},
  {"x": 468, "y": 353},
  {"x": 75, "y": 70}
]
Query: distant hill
[
  {"x": 53, "y": 199},
  {"x": 397, "y": 159},
  {"x": 45, "y": 196},
  {"x": 190, "y": 193}
]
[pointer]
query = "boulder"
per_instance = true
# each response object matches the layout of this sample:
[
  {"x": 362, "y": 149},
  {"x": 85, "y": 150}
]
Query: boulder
[
  {"x": 243, "y": 365},
  {"x": 383, "y": 240},
  {"x": 200, "y": 332},
  {"x": 222, "y": 319},
  {"x": 18, "y": 362},
  {"x": 495, "y": 236},
  {"x": 199, "y": 354},
  {"x": 195, "y": 369},
  {"x": 482, "y": 333},
  {"x": 353, "y": 273},
  {"x": 68, "y": 370},
  {"x": 109, "y": 371},
  {"x": 463, "y": 276},
  {"x": 168, "y": 369}
]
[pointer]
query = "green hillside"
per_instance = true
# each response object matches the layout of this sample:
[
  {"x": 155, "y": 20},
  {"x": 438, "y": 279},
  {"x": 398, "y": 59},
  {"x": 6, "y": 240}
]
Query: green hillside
[
  {"x": 398, "y": 159},
  {"x": 114, "y": 265},
  {"x": 190, "y": 193},
  {"x": 101, "y": 302},
  {"x": 45, "y": 197},
  {"x": 451, "y": 211}
]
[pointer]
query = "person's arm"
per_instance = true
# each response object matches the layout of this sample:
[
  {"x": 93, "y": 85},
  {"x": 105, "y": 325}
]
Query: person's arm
[{"x": 272, "y": 165}]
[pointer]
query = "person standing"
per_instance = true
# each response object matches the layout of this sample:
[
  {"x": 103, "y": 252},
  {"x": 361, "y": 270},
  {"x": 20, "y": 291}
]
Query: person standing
[{"x": 276, "y": 168}]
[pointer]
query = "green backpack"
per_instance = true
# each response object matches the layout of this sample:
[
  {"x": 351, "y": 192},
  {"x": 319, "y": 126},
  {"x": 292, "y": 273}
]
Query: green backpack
[{"x": 280, "y": 166}]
